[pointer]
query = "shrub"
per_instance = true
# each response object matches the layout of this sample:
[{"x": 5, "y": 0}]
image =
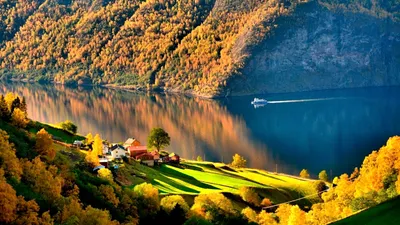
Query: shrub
[
  {"x": 69, "y": 126},
  {"x": 304, "y": 174}
]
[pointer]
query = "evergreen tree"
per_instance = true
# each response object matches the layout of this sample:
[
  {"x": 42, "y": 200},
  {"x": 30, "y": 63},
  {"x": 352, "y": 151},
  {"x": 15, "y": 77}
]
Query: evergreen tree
[
  {"x": 15, "y": 104},
  {"x": 23, "y": 106},
  {"x": 4, "y": 113}
]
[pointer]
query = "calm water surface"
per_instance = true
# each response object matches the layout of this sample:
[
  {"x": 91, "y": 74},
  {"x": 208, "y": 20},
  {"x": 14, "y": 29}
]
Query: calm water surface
[{"x": 332, "y": 130}]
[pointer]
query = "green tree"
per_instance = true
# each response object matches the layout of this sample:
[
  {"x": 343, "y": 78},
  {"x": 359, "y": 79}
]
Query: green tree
[
  {"x": 323, "y": 176},
  {"x": 304, "y": 174},
  {"x": 69, "y": 126},
  {"x": 158, "y": 138},
  {"x": 4, "y": 112},
  {"x": 238, "y": 161}
]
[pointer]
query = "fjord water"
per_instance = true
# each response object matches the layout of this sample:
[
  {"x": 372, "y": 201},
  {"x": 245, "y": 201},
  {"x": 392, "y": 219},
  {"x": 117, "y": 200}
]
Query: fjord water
[{"x": 332, "y": 130}]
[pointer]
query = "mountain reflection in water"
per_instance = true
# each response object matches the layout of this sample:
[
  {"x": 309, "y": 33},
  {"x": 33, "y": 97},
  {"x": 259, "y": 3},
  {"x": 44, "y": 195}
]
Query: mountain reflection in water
[{"x": 333, "y": 135}]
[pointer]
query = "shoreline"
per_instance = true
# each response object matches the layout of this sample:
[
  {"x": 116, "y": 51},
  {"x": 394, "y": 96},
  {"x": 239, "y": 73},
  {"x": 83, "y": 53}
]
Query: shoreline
[{"x": 190, "y": 94}]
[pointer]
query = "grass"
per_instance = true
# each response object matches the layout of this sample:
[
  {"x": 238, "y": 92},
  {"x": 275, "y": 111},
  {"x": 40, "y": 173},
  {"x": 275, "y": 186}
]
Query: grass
[
  {"x": 57, "y": 132},
  {"x": 193, "y": 178},
  {"x": 386, "y": 213}
]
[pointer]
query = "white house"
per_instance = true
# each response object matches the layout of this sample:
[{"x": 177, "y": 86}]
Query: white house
[
  {"x": 105, "y": 149},
  {"x": 77, "y": 143},
  {"x": 117, "y": 151}
]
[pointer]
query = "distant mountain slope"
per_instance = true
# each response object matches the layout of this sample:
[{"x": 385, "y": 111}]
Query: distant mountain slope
[
  {"x": 324, "y": 46},
  {"x": 203, "y": 47}
]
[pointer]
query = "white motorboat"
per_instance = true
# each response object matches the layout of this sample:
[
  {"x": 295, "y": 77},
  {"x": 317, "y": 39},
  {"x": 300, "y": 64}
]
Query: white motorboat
[{"x": 259, "y": 101}]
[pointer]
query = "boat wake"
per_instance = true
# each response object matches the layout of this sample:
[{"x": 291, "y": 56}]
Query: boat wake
[{"x": 303, "y": 100}]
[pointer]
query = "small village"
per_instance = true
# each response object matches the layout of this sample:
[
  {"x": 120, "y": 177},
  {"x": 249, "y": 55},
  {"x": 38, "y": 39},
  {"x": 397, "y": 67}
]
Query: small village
[{"x": 114, "y": 154}]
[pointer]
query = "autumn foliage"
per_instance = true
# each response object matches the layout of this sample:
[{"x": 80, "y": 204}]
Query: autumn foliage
[
  {"x": 64, "y": 190},
  {"x": 44, "y": 144},
  {"x": 189, "y": 45}
]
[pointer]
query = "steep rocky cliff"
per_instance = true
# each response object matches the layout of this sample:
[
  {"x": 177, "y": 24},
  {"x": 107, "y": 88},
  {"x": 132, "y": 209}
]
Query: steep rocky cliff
[{"x": 321, "y": 48}]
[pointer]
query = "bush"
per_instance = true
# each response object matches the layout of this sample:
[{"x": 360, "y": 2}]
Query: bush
[
  {"x": 304, "y": 174},
  {"x": 69, "y": 126}
]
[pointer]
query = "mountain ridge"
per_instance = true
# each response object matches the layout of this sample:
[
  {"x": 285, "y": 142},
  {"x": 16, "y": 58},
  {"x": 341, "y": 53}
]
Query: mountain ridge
[{"x": 201, "y": 47}]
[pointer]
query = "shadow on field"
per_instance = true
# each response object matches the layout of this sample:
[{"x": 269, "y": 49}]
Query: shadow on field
[
  {"x": 174, "y": 184},
  {"x": 184, "y": 177}
]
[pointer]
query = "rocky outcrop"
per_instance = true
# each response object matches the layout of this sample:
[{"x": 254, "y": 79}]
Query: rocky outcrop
[{"x": 317, "y": 48}]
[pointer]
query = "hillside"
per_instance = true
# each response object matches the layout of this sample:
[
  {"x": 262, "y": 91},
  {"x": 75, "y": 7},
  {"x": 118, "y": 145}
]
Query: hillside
[
  {"x": 202, "y": 47},
  {"x": 385, "y": 213},
  {"x": 44, "y": 180}
]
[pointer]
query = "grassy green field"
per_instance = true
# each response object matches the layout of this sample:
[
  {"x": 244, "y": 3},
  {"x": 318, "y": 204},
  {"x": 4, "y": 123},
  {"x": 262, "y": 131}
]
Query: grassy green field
[
  {"x": 386, "y": 213},
  {"x": 192, "y": 178},
  {"x": 57, "y": 132}
]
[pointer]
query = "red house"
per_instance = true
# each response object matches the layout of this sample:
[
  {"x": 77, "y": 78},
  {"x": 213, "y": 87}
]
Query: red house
[
  {"x": 134, "y": 151},
  {"x": 174, "y": 158}
]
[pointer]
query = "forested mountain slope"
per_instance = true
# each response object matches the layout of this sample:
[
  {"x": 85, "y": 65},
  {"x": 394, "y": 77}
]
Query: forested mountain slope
[{"x": 203, "y": 47}]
